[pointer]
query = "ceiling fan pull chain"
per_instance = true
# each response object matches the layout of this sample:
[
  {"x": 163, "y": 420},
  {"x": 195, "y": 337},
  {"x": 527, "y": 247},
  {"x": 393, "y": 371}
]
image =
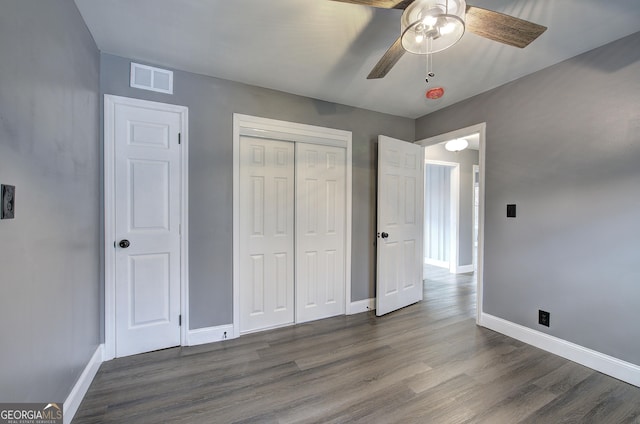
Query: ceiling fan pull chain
[{"x": 430, "y": 73}]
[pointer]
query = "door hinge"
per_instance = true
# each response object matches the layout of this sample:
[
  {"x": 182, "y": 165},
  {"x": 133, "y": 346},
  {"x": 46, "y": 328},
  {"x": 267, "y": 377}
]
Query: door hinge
[
  {"x": 114, "y": 244},
  {"x": 179, "y": 320},
  {"x": 179, "y": 138}
]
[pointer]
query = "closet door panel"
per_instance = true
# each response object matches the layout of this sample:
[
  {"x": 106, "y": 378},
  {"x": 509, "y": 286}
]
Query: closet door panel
[
  {"x": 266, "y": 233},
  {"x": 320, "y": 231}
]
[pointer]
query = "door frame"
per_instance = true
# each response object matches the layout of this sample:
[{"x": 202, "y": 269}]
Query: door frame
[
  {"x": 454, "y": 212},
  {"x": 253, "y": 126},
  {"x": 462, "y": 132},
  {"x": 475, "y": 237},
  {"x": 110, "y": 102}
]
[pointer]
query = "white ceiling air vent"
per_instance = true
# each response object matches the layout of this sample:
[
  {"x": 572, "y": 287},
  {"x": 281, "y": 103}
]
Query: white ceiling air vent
[{"x": 150, "y": 78}]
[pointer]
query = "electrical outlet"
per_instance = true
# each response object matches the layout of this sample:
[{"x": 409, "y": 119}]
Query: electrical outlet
[
  {"x": 511, "y": 211},
  {"x": 544, "y": 318},
  {"x": 8, "y": 193}
]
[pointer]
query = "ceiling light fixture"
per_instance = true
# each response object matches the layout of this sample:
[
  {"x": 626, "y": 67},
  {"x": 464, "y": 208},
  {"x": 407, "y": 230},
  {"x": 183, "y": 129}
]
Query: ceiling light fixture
[
  {"x": 440, "y": 21},
  {"x": 430, "y": 26},
  {"x": 456, "y": 145}
]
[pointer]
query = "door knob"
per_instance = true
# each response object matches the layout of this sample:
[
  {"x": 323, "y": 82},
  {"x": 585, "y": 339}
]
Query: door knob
[
  {"x": 124, "y": 244},
  {"x": 384, "y": 235}
]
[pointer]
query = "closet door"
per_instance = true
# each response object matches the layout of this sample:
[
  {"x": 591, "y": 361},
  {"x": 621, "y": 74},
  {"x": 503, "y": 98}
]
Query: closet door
[
  {"x": 266, "y": 233},
  {"x": 320, "y": 231}
]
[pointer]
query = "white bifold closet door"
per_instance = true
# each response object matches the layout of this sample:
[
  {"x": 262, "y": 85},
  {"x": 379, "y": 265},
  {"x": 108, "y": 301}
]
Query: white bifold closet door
[
  {"x": 320, "y": 231},
  {"x": 292, "y": 232},
  {"x": 267, "y": 172}
]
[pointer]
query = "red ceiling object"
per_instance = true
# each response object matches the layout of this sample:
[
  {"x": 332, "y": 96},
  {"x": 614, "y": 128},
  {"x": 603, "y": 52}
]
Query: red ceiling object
[{"x": 435, "y": 93}]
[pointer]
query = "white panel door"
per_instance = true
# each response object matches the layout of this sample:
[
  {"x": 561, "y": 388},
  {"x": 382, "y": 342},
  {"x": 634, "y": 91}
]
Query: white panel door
[
  {"x": 147, "y": 228},
  {"x": 400, "y": 239},
  {"x": 320, "y": 231},
  {"x": 266, "y": 233}
]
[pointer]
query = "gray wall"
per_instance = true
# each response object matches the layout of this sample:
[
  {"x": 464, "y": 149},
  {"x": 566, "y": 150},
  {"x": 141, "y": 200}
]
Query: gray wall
[
  {"x": 564, "y": 145},
  {"x": 466, "y": 158},
  {"x": 49, "y": 149},
  {"x": 211, "y": 103}
]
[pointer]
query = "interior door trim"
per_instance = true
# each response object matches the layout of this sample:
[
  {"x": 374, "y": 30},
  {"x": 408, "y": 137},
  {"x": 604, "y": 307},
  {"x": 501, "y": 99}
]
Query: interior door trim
[
  {"x": 462, "y": 132},
  {"x": 247, "y": 125},
  {"x": 110, "y": 102}
]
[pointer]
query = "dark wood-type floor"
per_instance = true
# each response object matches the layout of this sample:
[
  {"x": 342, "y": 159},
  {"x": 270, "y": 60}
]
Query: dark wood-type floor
[{"x": 427, "y": 363}]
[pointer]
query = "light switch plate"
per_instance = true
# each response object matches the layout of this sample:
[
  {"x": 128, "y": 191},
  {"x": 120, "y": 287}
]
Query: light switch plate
[{"x": 8, "y": 201}]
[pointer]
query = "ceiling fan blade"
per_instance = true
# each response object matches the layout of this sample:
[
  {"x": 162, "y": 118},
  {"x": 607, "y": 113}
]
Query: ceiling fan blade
[
  {"x": 387, "y": 61},
  {"x": 383, "y": 4},
  {"x": 503, "y": 28}
]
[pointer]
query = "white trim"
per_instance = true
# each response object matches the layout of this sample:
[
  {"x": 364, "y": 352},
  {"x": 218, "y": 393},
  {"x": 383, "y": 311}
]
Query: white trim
[
  {"x": 481, "y": 130},
  {"x": 109, "y": 229},
  {"x": 288, "y": 131},
  {"x": 110, "y": 102},
  {"x": 210, "y": 335},
  {"x": 236, "y": 226},
  {"x": 348, "y": 220},
  {"x": 359, "y": 306},
  {"x": 474, "y": 237},
  {"x": 184, "y": 226},
  {"x": 463, "y": 269},
  {"x": 455, "y": 219},
  {"x": 79, "y": 390},
  {"x": 606, "y": 364}
]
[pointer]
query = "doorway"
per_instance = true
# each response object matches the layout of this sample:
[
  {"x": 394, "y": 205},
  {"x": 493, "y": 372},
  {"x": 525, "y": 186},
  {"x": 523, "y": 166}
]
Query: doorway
[{"x": 473, "y": 226}]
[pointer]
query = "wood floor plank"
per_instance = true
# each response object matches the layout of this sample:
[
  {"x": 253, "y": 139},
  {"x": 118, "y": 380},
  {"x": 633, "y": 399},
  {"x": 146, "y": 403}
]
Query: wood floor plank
[
  {"x": 427, "y": 363},
  {"x": 578, "y": 403},
  {"x": 516, "y": 406}
]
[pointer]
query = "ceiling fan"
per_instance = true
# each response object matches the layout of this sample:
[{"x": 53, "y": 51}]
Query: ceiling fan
[{"x": 429, "y": 26}]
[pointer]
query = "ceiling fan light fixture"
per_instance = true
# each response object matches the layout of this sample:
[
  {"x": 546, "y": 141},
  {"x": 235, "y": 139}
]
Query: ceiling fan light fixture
[
  {"x": 430, "y": 26},
  {"x": 432, "y": 17},
  {"x": 447, "y": 28},
  {"x": 456, "y": 145}
]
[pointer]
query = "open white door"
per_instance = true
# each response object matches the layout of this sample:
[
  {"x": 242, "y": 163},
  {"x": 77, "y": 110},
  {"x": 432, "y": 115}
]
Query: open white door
[{"x": 400, "y": 216}]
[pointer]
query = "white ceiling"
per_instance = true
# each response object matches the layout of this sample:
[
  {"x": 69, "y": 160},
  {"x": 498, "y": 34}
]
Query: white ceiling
[{"x": 325, "y": 49}]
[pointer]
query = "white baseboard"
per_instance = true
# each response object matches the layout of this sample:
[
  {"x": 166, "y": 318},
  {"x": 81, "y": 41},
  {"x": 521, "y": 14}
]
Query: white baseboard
[
  {"x": 464, "y": 269},
  {"x": 606, "y": 364},
  {"x": 210, "y": 334},
  {"x": 359, "y": 306},
  {"x": 72, "y": 403}
]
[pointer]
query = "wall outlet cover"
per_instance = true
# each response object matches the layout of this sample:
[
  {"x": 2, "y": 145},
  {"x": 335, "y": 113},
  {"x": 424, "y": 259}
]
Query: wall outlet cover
[
  {"x": 8, "y": 195},
  {"x": 544, "y": 318}
]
